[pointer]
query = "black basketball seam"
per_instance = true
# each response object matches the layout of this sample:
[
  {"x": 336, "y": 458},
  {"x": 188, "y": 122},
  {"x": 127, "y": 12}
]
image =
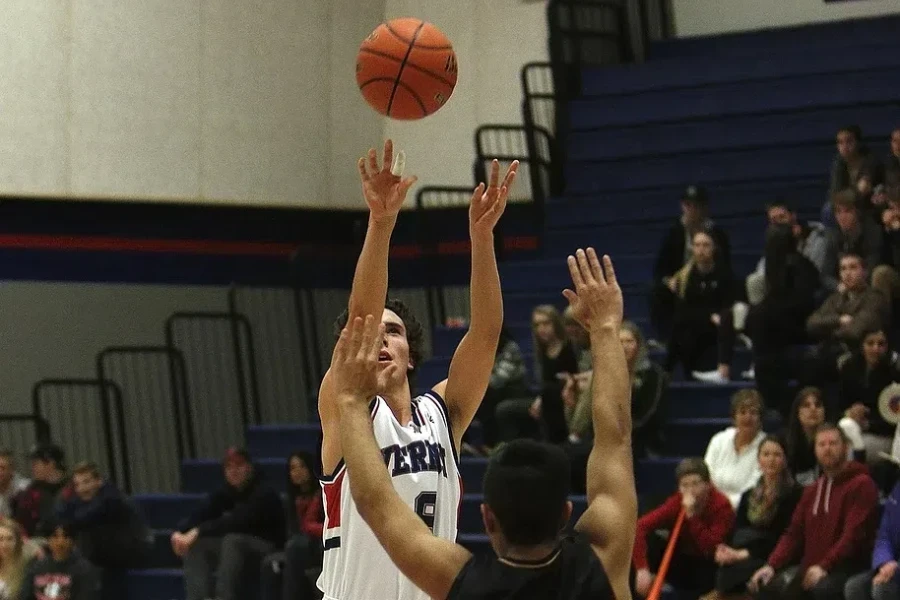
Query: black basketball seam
[
  {"x": 411, "y": 65},
  {"x": 415, "y": 96},
  {"x": 422, "y": 46},
  {"x": 403, "y": 66},
  {"x": 374, "y": 79}
]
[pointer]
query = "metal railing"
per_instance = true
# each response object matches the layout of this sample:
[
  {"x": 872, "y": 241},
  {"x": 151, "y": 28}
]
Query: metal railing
[
  {"x": 220, "y": 361},
  {"x": 284, "y": 353},
  {"x": 90, "y": 424},
  {"x": 158, "y": 420}
]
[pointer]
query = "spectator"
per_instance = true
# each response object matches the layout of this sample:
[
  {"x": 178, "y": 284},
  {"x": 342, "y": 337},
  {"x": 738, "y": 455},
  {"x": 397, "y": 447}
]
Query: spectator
[
  {"x": 732, "y": 454},
  {"x": 807, "y": 414},
  {"x": 885, "y": 277},
  {"x": 305, "y": 518},
  {"x": 831, "y": 531},
  {"x": 777, "y": 321},
  {"x": 838, "y": 325},
  {"x": 64, "y": 574},
  {"x": 855, "y": 234},
  {"x": 883, "y": 581},
  {"x": 11, "y": 482},
  {"x": 554, "y": 356},
  {"x": 508, "y": 382},
  {"x": 230, "y": 533},
  {"x": 648, "y": 388},
  {"x": 704, "y": 291},
  {"x": 892, "y": 164},
  {"x": 579, "y": 338},
  {"x": 708, "y": 519},
  {"x": 762, "y": 516},
  {"x": 810, "y": 242},
  {"x": 108, "y": 528},
  {"x": 36, "y": 504},
  {"x": 863, "y": 375},
  {"x": 676, "y": 251},
  {"x": 850, "y": 166},
  {"x": 15, "y": 555}
]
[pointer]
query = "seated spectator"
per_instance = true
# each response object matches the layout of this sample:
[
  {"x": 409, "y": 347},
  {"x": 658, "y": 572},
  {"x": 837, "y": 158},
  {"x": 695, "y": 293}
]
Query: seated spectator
[
  {"x": 648, "y": 388},
  {"x": 886, "y": 277},
  {"x": 810, "y": 240},
  {"x": 777, "y": 321},
  {"x": 762, "y": 516},
  {"x": 863, "y": 375},
  {"x": 109, "y": 530},
  {"x": 856, "y": 234},
  {"x": 230, "y": 533},
  {"x": 11, "y": 482},
  {"x": 892, "y": 164},
  {"x": 831, "y": 532},
  {"x": 852, "y": 162},
  {"x": 554, "y": 356},
  {"x": 15, "y": 556},
  {"x": 62, "y": 575},
  {"x": 37, "y": 503},
  {"x": 305, "y": 519},
  {"x": 675, "y": 251},
  {"x": 838, "y": 325},
  {"x": 508, "y": 382},
  {"x": 807, "y": 414},
  {"x": 882, "y": 582},
  {"x": 731, "y": 455},
  {"x": 708, "y": 519},
  {"x": 579, "y": 338},
  {"x": 704, "y": 292}
]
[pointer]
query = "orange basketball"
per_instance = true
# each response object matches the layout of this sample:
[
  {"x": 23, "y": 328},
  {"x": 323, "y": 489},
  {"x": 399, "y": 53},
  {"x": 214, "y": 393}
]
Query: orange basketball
[{"x": 406, "y": 69}]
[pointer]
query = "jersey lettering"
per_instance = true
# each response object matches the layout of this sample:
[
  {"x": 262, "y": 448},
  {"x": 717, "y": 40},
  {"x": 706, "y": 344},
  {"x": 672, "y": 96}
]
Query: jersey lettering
[
  {"x": 425, "y": 507},
  {"x": 417, "y": 457}
]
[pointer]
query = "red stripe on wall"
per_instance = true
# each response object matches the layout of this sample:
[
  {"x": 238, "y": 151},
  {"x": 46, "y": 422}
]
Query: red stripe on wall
[{"x": 226, "y": 248}]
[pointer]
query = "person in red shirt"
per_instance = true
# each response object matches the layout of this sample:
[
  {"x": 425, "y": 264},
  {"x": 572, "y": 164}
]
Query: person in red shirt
[
  {"x": 709, "y": 518},
  {"x": 832, "y": 530},
  {"x": 284, "y": 573}
]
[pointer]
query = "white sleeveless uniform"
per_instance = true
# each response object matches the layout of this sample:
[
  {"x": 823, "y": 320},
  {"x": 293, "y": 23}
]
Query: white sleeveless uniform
[{"x": 424, "y": 466}]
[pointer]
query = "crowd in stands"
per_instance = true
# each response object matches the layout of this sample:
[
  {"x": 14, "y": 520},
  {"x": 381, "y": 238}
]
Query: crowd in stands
[
  {"x": 73, "y": 535},
  {"x": 769, "y": 516}
]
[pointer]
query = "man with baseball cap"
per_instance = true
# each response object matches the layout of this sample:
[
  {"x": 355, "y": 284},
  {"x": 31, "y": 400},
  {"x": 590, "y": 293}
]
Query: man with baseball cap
[
  {"x": 230, "y": 532},
  {"x": 675, "y": 251}
]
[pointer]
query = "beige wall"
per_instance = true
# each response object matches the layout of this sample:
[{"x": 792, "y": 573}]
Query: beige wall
[{"x": 247, "y": 102}]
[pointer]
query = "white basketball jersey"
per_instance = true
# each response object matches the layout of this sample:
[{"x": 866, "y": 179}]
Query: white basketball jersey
[{"x": 424, "y": 466}]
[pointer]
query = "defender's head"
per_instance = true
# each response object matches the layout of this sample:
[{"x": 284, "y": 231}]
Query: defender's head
[
  {"x": 526, "y": 491},
  {"x": 404, "y": 344}
]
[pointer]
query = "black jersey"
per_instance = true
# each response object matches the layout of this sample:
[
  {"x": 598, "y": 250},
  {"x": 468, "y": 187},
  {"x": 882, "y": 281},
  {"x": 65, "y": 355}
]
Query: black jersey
[{"x": 571, "y": 572}]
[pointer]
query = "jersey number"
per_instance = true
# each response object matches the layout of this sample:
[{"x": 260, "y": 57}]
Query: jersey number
[{"x": 425, "y": 504}]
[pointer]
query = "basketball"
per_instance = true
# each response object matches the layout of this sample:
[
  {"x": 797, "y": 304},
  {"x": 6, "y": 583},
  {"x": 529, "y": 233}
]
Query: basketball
[{"x": 406, "y": 69}]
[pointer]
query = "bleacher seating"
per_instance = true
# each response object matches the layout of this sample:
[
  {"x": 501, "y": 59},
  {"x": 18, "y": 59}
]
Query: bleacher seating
[{"x": 750, "y": 116}]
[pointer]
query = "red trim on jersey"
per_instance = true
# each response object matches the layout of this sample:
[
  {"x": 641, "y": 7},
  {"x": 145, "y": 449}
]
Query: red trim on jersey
[{"x": 332, "y": 491}]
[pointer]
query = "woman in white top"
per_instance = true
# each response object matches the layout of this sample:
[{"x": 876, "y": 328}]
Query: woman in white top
[{"x": 731, "y": 454}]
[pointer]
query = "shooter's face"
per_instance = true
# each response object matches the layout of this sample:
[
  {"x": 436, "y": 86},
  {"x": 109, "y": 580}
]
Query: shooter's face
[{"x": 394, "y": 352}]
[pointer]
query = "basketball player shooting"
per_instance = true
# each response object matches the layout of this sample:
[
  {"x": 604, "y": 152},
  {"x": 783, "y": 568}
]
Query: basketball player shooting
[
  {"x": 526, "y": 485},
  {"x": 417, "y": 437}
]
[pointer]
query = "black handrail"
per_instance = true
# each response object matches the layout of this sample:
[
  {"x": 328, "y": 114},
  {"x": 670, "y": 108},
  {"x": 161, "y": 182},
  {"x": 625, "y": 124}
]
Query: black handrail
[
  {"x": 41, "y": 426},
  {"x": 178, "y": 387},
  {"x": 118, "y": 462},
  {"x": 251, "y": 410},
  {"x": 447, "y": 197}
]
